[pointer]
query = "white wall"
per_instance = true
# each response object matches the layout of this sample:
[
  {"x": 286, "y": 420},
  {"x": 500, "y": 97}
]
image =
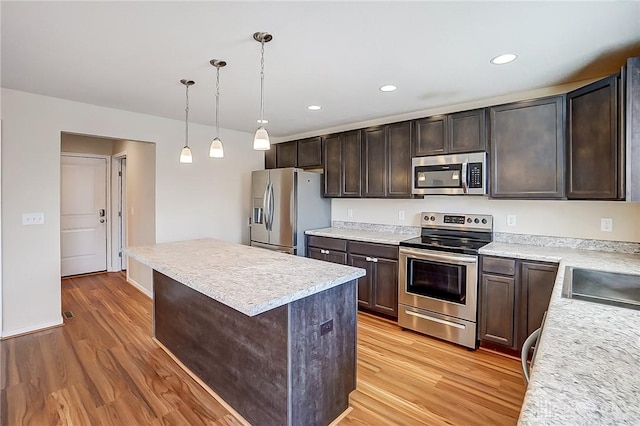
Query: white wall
[
  {"x": 140, "y": 205},
  {"x": 208, "y": 198},
  {"x": 578, "y": 219}
]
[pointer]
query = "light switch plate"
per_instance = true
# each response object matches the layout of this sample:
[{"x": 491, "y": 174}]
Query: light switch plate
[
  {"x": 33, "y": 218},
  {"x": 400, "y": 214},
  {"x": 606, "y": 224},
  {"x": 511, "y": 220},
  {"x": 350, "y": 212}
]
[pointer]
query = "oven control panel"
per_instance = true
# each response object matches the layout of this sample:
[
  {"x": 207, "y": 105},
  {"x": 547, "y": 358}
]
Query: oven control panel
[{"x": 457, "y": 221}]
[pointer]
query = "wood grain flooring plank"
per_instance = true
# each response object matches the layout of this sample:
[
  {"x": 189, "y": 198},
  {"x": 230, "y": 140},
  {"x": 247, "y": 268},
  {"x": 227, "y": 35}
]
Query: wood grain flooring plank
[{"x": 103, "y": 368}]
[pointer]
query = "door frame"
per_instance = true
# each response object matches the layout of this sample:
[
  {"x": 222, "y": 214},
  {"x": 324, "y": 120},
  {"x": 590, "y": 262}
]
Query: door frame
[
  {"x": 108, "y": 201},
  {"x": 115, "y": 265}
]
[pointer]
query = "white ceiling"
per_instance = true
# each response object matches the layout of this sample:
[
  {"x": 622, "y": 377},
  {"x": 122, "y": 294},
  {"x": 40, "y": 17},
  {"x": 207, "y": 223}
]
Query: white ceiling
[{"x": 131, "y": 55}]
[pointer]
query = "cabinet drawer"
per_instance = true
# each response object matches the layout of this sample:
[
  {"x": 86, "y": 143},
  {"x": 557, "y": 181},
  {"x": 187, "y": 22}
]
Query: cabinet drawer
[
  {"x": 373, "y": 250},
  {"x": 327, "y": 243},
  {"x": 499, "y": 265}
]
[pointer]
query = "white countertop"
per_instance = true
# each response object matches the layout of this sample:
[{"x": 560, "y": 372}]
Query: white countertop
[
  {"x": 249, "y": 279},
  {"x": 588, "y": 358},
  {"x": 392, "y": 238}
]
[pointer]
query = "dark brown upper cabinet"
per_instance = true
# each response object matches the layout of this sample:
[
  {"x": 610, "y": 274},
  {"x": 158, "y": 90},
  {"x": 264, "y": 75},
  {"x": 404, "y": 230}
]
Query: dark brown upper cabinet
[
  {"x": 342, "y": 165},
  {"x": 464, "y": 131},
  {"x": 527, "y": 149},
  {"x": 399, "y": 147},
  {"x": 270, "y": 158},
  {"x": 286, "y": 154},
  {"x": 431, "y": 136},
  {"x": 386, "y": 161},
  {"x": 374, "y": 162},
  {"x": 468, "y": 131},
  {"x": 631, "y": 78},
  {"x": 310, "y": 152},
  {"x": 594, "y": 142}
]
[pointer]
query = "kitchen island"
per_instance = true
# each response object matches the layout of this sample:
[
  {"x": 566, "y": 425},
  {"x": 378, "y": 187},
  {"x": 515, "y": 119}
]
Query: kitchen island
[{"x": 272, "y": 335}]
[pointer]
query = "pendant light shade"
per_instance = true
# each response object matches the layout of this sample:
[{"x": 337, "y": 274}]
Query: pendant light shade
[
  {"x": 185, "y": 154},
  {"x": 261, "y": 138},
  {"x": 216, "y": 150}
]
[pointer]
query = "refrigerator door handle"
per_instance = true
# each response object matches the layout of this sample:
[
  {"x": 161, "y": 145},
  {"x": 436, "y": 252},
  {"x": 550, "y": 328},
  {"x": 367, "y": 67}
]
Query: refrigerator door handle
[
  {"x": 272, "y": 205},
  {"x": 265, "y": 206}
]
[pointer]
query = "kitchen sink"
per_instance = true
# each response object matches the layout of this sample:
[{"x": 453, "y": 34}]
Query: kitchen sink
[{"x": 609, "y": 288}]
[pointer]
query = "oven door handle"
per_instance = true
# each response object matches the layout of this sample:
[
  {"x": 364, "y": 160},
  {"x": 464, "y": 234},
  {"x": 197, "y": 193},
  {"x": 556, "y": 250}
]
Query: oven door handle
[{"x": 439, "y": 256}]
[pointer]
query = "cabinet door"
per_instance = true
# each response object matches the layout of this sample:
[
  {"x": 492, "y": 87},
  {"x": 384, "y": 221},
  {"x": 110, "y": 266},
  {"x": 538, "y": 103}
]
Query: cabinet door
[
  {"x": 339, "y": 257},
  {"x": 527, "y": 146},
  {"x": 351, "y": 164},
  {"x": 431, "y": 136},
  {"x": 385, "y": 286},
  {"x": 399, "y": 146},
  {"x": 468, "y": 131},
  {"x": 497, "y": 304},
  {"x": 374, "y": 159},
  {"x": 315, "y": 253},
  {"x": 286, "y": 154},
  {"x": 310, "y": 152},
  {"x": 631, "y": 96},
  {"x": 270, "y": 158},
  {"x": 365, "y": 293},
  {"x": 536, "y": 281},
  {"x": 593, "y": 141},
  {"x": 333, "y": 165}
]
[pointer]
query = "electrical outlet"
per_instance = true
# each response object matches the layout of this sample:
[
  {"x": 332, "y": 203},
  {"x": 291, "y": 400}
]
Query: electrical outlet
[
  {"x": 326, "y": 327},
  {"x": 606, "y": 224},
  {"x": 33, "y": 218},
  {"x": 350, "y": 212},
  {"x": 511, "y": 220},
  {"x": 400, "y": 214}
]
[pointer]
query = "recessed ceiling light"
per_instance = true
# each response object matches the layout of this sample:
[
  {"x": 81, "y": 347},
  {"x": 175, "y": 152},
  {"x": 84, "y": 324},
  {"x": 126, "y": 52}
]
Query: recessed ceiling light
[
  {"x": 504, "y": 59},
  {"x": 314, "y": 107},
  {"x": 388, "y": 88},
  {"x": 263, "y": 121}
]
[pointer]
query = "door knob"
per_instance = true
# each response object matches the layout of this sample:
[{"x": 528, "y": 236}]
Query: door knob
[{"x": 101, "y": 220}]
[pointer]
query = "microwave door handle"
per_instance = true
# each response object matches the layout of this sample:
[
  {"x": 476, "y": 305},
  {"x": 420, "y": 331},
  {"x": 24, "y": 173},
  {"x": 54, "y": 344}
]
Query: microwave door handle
[{"x": 463, "y": 178}]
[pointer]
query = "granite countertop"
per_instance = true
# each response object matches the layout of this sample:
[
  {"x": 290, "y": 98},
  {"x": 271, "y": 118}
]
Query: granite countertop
[
  {"x": 588, "y": 357},
  {"x": 249, "y": 279},
  {"x": 370, "y": 236}
]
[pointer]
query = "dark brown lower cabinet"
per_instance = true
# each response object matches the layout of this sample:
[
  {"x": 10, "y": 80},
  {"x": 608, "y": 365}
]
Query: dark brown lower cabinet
[
  {"x": 513, "y": 296},
  {"x": 328, "y": 249},
  {"x": 378, "y": 289},
  {"x": 497, "y": 294}
]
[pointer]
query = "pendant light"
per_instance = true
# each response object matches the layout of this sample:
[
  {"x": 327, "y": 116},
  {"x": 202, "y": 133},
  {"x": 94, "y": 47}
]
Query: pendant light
[
  {"x": 261, "y": 138},
  {"x": 216, "y": 150},
  {"x": 185, "y": 154}
]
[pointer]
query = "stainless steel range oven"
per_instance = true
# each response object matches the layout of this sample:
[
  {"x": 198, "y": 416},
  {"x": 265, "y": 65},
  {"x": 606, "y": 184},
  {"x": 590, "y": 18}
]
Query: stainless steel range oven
[{"x": 438, "y": 277}]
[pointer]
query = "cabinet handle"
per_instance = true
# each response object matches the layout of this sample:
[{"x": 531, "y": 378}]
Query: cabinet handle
[
  {"x": 374, "y": 260},
  {"x": 368, "y": 259},
  {"x": 324, "y": 251}
]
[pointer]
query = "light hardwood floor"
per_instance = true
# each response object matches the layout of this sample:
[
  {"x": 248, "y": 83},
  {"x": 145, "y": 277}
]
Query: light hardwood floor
[{"x": 102, "y": 367}]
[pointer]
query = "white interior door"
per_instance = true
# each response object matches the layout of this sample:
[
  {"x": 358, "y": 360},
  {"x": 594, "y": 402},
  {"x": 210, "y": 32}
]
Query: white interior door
[{"x": 83, "y": 215}]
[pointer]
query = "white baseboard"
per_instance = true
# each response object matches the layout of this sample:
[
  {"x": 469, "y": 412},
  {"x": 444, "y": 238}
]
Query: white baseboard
[
  {"x": 31, "y": 329},
  {"x": 139, "y": 287}
]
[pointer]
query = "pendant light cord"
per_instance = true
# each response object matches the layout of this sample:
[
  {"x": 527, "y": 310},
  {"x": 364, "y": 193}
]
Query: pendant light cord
[
  {"x": 186, "y": 121},
  {"x": 217, "y": 102},
  {"x": 262, "y": 84}
]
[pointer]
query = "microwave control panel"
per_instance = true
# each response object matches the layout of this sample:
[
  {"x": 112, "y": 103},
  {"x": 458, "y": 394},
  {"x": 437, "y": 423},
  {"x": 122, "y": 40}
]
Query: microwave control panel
[{"x": 475, "y": 175}]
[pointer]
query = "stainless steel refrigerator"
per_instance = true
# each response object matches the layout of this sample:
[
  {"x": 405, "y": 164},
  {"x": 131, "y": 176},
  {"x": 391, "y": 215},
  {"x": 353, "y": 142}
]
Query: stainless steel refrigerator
[{"x": 286, "y": 203}]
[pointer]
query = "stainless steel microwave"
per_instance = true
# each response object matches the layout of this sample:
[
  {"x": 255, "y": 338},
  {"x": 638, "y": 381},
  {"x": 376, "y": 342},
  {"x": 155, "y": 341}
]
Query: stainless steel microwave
[{"x": 458, "y": 174}]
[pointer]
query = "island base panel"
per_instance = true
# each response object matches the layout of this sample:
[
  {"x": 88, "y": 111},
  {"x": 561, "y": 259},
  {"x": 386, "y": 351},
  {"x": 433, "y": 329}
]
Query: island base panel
[
  {"x": 274, "y": 368},
  {"x": 323, "y": 366},
  {"x": 242, "y": 359}
]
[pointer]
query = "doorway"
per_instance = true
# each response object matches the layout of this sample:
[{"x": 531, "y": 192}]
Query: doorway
[{"x": 83, "y": 213}]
